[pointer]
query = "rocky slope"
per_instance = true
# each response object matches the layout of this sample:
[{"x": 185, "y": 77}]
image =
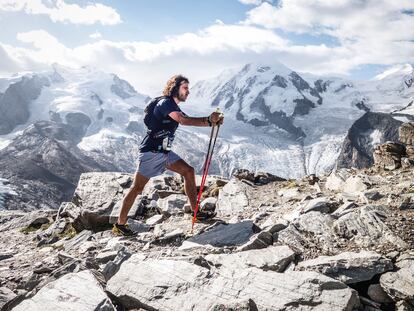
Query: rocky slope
[
  {"x": 43, "y": 166},
  {"x": 338, "y": 242}
]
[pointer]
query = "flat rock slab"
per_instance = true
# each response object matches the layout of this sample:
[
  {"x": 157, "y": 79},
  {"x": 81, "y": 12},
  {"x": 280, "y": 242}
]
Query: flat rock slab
[
  {"x": 165, "y": 284},
  {"x": 348, "y": 267},
  {"x": 271, "y": 291},
  {"x": 275, "y": 258},
  {"x": 141, "y": 283},
  {"x": 74, "y": 291},
  {"x": 226, "y": 235}
]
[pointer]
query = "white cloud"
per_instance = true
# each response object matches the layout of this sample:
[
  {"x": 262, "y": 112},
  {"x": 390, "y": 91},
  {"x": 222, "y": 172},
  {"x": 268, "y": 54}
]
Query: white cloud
[
  {"x": 95, "y": 35},
  {"x": 60, "y": 11},
  {"x": 367, "y": 32},
  {"x": 254, "y": 2},
  {"x": 364, "y": 36}
]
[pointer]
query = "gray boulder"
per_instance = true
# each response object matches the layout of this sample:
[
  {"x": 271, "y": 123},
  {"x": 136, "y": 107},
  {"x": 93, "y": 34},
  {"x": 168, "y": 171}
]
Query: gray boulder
[
  {"x": 152, "y": 283},
  {"x": 6, "y": 296},
  {"x": 96, "y": 196},
  {"x": 73, "y": 291},
  {"x": 376, "y": 293},
  {"x": 348, "y": 267},
  {"x": 173, "y": 204},
  {"x": 275, "y": 258},
  {"x": 226, "y": 234},
  {"x": 399, "y": 285},
  {"x": 180, "y": 285},
  {"x": 233, "y": 198},
  {"x": 317, "y": 205}
]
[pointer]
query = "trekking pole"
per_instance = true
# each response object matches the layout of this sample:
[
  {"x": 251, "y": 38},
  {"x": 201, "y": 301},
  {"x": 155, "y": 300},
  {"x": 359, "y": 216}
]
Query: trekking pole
[{"x": 209, "y": 155}]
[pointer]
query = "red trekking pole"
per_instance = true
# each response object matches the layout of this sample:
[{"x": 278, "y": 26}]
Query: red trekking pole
[{"x": 211, "y": 145}]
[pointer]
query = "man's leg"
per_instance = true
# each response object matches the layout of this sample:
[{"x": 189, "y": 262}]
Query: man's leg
[
  {"x": 137, "y": 186},
  {"x": 187, "y": 171}
]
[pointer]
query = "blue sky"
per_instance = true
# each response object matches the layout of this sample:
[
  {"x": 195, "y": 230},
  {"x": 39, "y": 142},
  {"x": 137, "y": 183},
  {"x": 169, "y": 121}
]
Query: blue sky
[{"x": 145, "y": 41}]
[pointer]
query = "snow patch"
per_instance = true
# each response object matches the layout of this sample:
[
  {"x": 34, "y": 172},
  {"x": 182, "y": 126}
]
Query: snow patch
[{"x": 5, "y": 190}]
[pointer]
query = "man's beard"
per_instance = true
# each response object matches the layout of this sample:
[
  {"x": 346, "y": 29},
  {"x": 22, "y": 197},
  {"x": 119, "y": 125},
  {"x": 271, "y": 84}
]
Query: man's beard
[{"x": 182, "y": 97}]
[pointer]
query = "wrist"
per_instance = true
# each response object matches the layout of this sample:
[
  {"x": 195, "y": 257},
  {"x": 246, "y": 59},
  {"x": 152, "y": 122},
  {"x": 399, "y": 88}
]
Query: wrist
[{"x": 209, "y": 121}]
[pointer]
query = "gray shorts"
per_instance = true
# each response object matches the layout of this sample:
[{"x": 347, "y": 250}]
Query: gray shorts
[{"x": 151, "y": 164}]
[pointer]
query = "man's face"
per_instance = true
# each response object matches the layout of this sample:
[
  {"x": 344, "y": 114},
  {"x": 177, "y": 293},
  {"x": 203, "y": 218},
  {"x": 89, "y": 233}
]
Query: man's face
[{"x": 183, "y": 92}]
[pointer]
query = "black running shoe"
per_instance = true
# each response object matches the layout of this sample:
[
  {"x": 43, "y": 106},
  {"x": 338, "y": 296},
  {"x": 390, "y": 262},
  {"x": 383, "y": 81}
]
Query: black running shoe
[
  {"x": 201, "y": 215},
  {"x": 124, "y": 230}
]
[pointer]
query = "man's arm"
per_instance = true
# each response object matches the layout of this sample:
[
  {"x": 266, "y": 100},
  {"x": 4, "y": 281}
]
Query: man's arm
[{"x": 179, "y": 117}]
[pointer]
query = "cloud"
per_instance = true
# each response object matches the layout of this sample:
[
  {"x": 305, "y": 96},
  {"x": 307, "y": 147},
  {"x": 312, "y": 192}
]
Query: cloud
[
  {"x": 60, "y": 11},
  {"x": 254, "y": 2},
  {"x": 95, "y": 35},
  {"x": 343, "y": 19},
  {"x": 368, "y": 32},
  {"x": 365, "y": 35}
]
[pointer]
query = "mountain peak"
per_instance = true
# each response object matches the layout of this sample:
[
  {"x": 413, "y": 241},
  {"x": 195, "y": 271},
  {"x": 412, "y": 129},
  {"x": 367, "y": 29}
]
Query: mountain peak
[{"x": 395, "y": 71}]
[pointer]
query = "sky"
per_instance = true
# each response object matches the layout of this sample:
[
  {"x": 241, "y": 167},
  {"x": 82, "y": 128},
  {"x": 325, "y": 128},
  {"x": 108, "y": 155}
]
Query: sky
[{"x": 145, "y": 42}]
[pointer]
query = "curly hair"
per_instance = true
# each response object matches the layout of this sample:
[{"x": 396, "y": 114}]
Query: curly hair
[{"x": 173, "y": 84}]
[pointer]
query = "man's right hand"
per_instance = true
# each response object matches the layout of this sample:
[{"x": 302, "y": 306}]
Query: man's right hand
[{"x": 216, "y": 118}]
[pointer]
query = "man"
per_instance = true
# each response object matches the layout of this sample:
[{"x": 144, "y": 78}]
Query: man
[{"x": 155, "y": 150}]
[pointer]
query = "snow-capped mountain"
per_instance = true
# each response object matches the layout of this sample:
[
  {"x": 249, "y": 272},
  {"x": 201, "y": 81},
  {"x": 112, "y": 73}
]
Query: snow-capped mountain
[
  {"x": 304, "y": 119},
  {"x": 276, "y": 120}
]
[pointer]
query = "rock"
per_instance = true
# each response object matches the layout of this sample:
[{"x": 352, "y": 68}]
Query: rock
[
  {"x": 273, "y": 226},
  {"x": 256, "y": 178},
  {"x": 245, "y": 305},
  {"x": 180, "y": 285},
  {"x": 344, "y": 209},
  {"x": 275, "y": 258},
  {"x": 136, "y": 209},
  {"x": 406, "y": 259},
  {"x": 167, "y": 279},
  {"x": 372, "y": 195},
  {"x": 74, "y": 291},
  {"x": 399, "y": 285},
  {"x": 318, "y": 205},
  {"x": 355, "y": 184},
  {"x": 112, "y": 267},
  {"x": 172, "y": 205},
  {"x": 289, "y": 193},
  {"x": 160, "y": 183},
  {"x": 376, "y": 293},
  {"x": 366, "y": 227},
  {"x": 87, "y": 247},
  {"x": 208, "y": 204},
  {"x": 336, "y": 180},
  {"x": 241, "y": 174},
  {"x": 233, "y": 198},
  {"x": 96, "y": 195},
  {"x": 409, "y": 150},
  {"x": 78, "y": 240},
  {"x": 388, "y": 155},
  {"x": 156, "y": 219},
  {"x": 6, "y": 296},
  {"x": 263, "y": 178},
  {"x": 257, "y": 241},
  {"x": 403, "y": 306},
  {"x": 191, "y": 246},
  {"x": 310, "y": 230},
  {"x": 137, "y": 226},
  {"x": 226, "y": 235},
  {"x": 407, "y": 203},
  {"x": 104, "y": 257},
  {"x": 348, "y": 267},
  {"x": 406, "y": 133}
]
